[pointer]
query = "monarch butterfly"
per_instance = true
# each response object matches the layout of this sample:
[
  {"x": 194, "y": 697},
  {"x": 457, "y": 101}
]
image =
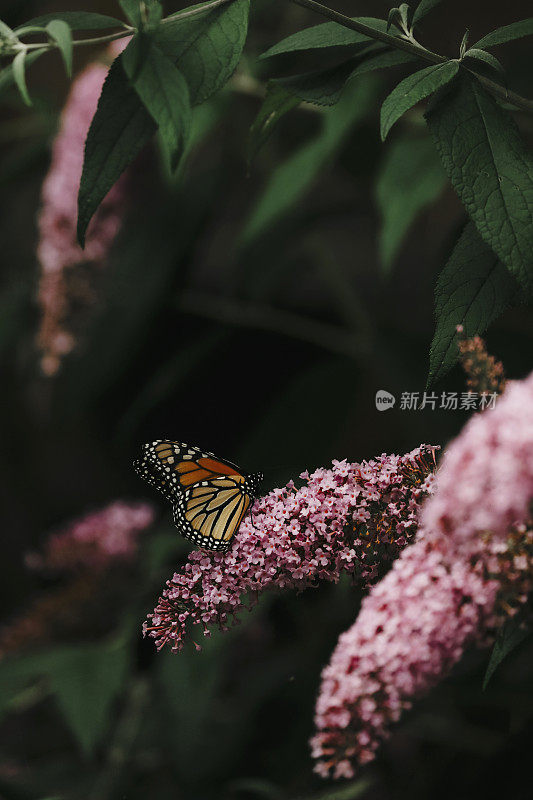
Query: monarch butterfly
[{"x": 209, "y": 496}]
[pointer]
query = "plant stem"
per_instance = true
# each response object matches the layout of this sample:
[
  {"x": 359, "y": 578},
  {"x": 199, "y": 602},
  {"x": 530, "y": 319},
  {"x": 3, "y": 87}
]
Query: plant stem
[
  {"x": 387, "y": 38},
  {"x": 263, "y": 317},
  {"x": 129, "y": 31},
  {"x": 403, "y": 42},
  {"x": 412, "y": 47},
  {"x": 193, "y": 11},
  {"x": 110, "y": 37}
]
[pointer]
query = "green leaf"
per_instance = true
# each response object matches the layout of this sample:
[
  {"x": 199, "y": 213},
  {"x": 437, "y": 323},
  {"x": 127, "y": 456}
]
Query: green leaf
[
  {"x": 322, "y": 87},
  {"x": 19, "y": 74},
  {"x": 164, "y": 93},
  {"x": 490, "y": 169},
  {"x": 293, "y": 178},
  {"x": 277, "y": 102},
  {"x": 516, "y": 30},
  {"x": 423, "y": 8},
  {"x": 78, "y": 20},
  {"x": 473, "y": 289},
  {"x": 154, "y": 12},
  {"x": 86, "y": 680},
  {"x": 394, "y": 18},
  {"x": 60, "y": 32},
  {"x": 5, "y": 31},
  {"x": 7, "y": 75},
  {"x": 119, "y": 130},
  {"x": 413, "y": 89},
  {"x": 18, "y": 672},
  {"x": 30, "y": 29},
  {"x": 510, "y": 635},
  {"x": 162, "y": 548},
  {"x": 399, "y": 17},
  {"x": 132, "y": 10},
  {"x": 328, "y": 34},
  {"x": 206, "y": 47},
  {"x": 410, "y": 178},
  {"x": 325, "y": 87},
  {"x": 487, "y": 59},
  {"x": 464, "y": 43}
]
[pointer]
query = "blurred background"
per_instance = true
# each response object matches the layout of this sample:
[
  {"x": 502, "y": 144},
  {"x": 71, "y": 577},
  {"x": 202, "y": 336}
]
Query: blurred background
[{"x": 252, "y": 311}]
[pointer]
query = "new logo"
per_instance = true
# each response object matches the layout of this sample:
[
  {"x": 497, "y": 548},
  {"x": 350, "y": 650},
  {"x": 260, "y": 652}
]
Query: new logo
[{"x": 384, "y": 400}]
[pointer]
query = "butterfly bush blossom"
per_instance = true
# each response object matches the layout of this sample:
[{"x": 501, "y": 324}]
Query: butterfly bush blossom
[
  {"x": 66, "y": 269},
  {"x": 484, "y": 373},
  {"x": 97, "y": 540},
  {"x": 472, "y": 561},
  {"x": 352, "y": 518},
  {"x": 94, "y": 556}
]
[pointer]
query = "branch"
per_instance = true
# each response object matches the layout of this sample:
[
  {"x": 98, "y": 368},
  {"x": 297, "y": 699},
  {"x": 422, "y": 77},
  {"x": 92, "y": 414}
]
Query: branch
[
  {"x": 130, "y": 31},
  {"x": 413, "y": 47},
  {"x": 403, "y": 42},
  {"x": 253, "y": 315}
]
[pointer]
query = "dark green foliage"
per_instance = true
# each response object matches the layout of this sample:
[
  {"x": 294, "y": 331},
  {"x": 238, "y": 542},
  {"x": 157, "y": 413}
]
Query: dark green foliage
[
  {"x": 413, "y": 89},
  {"x": 325, "y": 87},
  {"x": 248, "y": 312},
  {"x": 132, "y": 10},
  {"x": 205, "y": 48},
  {"x": 491, "y": 171},
  {"x": 78, "y": 20},
  {"x": 410, "y": 178},
  {"x": 474, "y": 54},
  {"x": 291, "y": 179},
  {"x": 516, "y": 30},
  {"x": 472, "y": 290},
  {"x": 277, "y": 102},
  {"x": 61, "y": 33},
  {"x": 119, "y": 130},
  {"x": 324, "y": 36},
  {"x": 84, "y": 680},
  {"x": 423, "y": 8},
  {"x": 163, "y": 91},
  {"x": 512, "y": 633}
]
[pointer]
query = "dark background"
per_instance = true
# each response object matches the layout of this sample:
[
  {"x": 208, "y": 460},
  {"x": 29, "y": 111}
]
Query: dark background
[{"x": 270, "y": 356}]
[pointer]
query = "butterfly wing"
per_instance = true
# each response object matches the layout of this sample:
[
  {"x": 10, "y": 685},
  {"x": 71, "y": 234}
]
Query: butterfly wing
[
  {"x": 210, "y": 497},
  {"x": 210, "y": 512}
]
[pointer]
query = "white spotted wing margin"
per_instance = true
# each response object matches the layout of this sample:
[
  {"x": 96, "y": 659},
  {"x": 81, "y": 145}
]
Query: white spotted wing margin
[{"x": 210, "y": 496}]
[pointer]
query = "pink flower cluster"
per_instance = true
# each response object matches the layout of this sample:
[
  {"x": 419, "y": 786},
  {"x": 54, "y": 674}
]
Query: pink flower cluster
[
  {"x": 65, "y": 285},
  {"x": 351, "y": 518},
  {"x": 97, "y": 540},
  {"x": 475, "y": 544},
  {"x": 486, "y": 478},
  {"x": 89, "y": 597}
]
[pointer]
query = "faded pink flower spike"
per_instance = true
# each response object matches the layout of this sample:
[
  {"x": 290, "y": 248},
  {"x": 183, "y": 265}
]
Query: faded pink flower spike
[
  {"x": 486, "y": 477},
  {"x": 474, "y": 548},
  {"x": 64, "y": 284},
  {"x": 97, "y": 540},
  {"x": 351, "y": 518},
  {"x": 484, "y": 374}
]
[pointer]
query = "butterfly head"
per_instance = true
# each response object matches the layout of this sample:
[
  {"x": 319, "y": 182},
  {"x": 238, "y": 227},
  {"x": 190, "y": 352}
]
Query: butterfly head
[{"x": 253, "y": 482}]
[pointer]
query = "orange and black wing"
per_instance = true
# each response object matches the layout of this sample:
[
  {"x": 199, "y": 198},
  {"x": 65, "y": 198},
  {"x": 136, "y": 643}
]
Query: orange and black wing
[
  {"x": 210, "y": 496},
  {"x": 210, "y": 512}
]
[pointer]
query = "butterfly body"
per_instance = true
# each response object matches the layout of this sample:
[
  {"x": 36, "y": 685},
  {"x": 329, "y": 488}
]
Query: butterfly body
[{"x": 210, "y": 496}]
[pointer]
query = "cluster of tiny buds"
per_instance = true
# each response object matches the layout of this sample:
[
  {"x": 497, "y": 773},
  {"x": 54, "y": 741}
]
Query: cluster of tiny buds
[{"x": 485, "y": 375}]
